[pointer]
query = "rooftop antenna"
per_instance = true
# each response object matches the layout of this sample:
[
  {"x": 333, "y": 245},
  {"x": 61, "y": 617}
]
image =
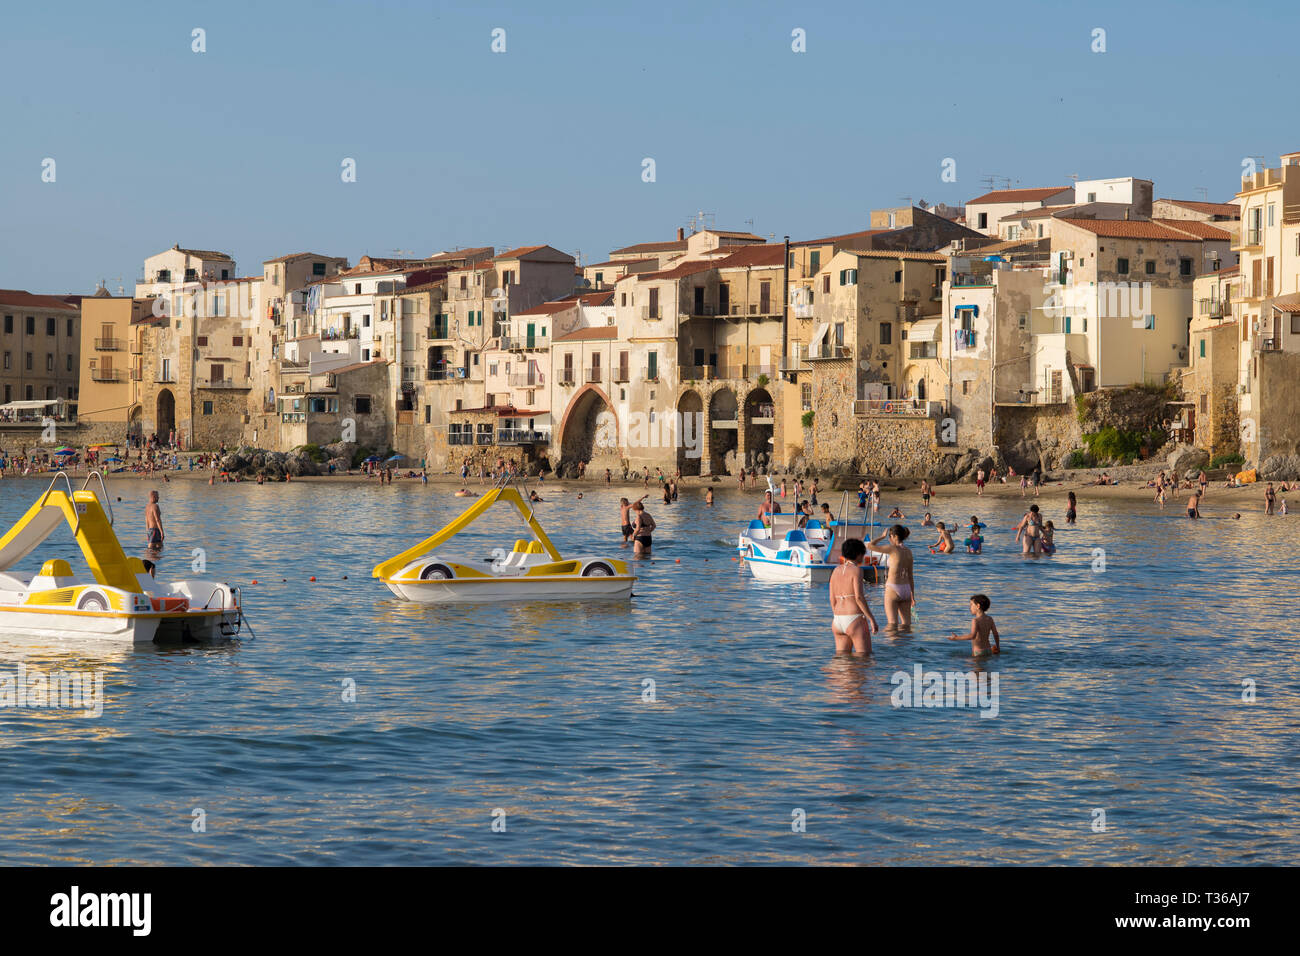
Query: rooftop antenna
[
  {"x": 990, "y": 180},
  {"x": 121, "y": 289},
  {"x": 402, "y": 253},
  {"x": 1205, "y": 193}
]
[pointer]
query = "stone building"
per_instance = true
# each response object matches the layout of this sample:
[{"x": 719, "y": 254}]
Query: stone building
[{"x": 41, "y": 342}]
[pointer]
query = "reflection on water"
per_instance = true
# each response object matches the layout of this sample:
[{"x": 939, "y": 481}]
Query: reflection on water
[{"x": 1119, "y": 690}]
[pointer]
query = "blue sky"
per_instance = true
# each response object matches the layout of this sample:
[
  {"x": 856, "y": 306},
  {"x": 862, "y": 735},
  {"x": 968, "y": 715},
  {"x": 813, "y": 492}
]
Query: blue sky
[{"x": 240, "y": 148}]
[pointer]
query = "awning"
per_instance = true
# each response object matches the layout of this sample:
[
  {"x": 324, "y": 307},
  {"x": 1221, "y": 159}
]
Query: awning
[
  {"x": 926, "y": 330},
  {"x": 819, "y": 334},
  {"x": 974, "y": 309},
  {"x": 23, "y": 406}
]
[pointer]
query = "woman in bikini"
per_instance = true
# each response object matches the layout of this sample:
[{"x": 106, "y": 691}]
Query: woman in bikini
[
  {"x": 900, "y": 588},
  {"x": 852, "y": 621}
]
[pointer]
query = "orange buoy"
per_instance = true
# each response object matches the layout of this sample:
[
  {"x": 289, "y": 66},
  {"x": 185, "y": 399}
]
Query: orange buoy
[
  {"x": 311, "y": 579},
  {"x": 254, "y": 580},
  {"x": 679, "y": 560}
]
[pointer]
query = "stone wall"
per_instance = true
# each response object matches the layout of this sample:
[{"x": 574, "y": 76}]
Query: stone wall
[
  {"x": 895, "y": 447},
  {"x": 225, "y": 423},
  {"x": 1279, "y": 395},
  {"x": 1028, "y": 434}
]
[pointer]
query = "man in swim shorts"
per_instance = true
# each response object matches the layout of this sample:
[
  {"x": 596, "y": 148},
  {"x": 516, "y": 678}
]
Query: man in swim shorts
[
  {"x": 852, "y": 621},
  {"x": 1194, "y": 505},
  {"x": 153, "y": 523},
  {"x": 624, "y": 506}
]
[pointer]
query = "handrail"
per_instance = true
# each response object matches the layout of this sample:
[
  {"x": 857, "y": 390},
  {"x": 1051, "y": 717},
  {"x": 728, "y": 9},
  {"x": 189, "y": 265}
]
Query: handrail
[
  {"x": 102, "y": 487},
  {"x": 72, "y": 501}
]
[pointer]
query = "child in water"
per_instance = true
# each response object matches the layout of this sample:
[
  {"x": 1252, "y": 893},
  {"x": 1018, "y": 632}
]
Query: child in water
[
  {"x": 897, "y": 514},
  {"x": 1048, "y": 546},
  {"x": 928, "y": 522},
  {"x": 944, "y": 545},
  {"x": 975, "y": 543},
  {"x": 981, "y": 629}
]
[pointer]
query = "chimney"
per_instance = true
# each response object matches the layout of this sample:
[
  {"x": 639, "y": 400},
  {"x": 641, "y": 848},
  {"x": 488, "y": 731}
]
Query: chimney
[{"x": 681, "y": 233}]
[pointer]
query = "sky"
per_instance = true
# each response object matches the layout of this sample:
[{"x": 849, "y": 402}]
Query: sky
[{"x": 241, "y": 148}]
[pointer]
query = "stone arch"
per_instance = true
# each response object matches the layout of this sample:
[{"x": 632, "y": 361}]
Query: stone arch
[
  {"x": 690, "y": 416},
  {"x": 585, "y": 435},
  {"x": 135, "y": 421},
  {"x": 724, "y": 425},
  {"x": 758, "y": 422},
  {"x": 165, "y": 420}
]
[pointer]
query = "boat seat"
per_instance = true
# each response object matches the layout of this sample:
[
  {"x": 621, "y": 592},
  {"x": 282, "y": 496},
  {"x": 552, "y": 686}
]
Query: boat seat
[
  {"x": 795, "y": 536},
  {"x": 813, "y": 525}
]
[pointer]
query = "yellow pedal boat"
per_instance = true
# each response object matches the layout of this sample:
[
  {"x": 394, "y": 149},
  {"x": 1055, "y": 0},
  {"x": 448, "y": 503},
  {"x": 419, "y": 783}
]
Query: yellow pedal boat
[
  {"x": 531, "y": 571},
  {"x": 118, "y": 600}
]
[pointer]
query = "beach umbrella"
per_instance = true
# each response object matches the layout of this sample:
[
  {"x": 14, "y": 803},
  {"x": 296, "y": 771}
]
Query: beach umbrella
[
  {"x": 397, "y": 458},
  {"x": 114, "y": 458},
  {"x": 372, "y": 458},
  {"x": 63, "y": 450},
  {"x": 64, "y": 453}
]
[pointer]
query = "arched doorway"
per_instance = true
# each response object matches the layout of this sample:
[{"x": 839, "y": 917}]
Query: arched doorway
[
  {"x": 760, "y": 417},
  {"x": 690, "y": 432},
  {"x": 166, "y": 419},
  {"x": 724, "y": 437},
  {"x": 589, "y": 432},
  {"x": 135, "y": 423}
]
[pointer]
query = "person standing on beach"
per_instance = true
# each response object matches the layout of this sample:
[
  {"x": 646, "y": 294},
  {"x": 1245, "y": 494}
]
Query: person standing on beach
[
  {"x": 851, "y": 619},
  {"x": 153, "y": 527},
  {"x": 900, "y": 588},
  {"x": 1270, "y": 498},
  {"x": 1036, "y": 479},
  {"x": 1203, "y": 482},
  {"x": 979, "y": 482},
  {"x": 925, "y": 493}
]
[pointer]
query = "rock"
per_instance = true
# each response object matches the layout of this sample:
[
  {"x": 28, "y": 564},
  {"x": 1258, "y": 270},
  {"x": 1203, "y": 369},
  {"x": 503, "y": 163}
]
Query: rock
[
  {"x": 944, "y": 473},
  {"x": 1188, "y": 457},
  {"x": 1024, "y": 456},
  {"x": 1280, "y": 468},
  {"x": 233, "y": 463}
]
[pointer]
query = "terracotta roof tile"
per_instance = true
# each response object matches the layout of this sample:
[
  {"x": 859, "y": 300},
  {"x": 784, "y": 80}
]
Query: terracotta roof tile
[
  {"x": 598, "y": 332},
  {"x": 1134, "y": 229},
  {"x": 764, "y": 255},
  {"x": 1201, "y": 230},
  {"x": 673, "y": 245},
  {"x": 1037, "y": 194},
  {"x": 1209, "y": 208},
  {"x": 18, "y": 299}
]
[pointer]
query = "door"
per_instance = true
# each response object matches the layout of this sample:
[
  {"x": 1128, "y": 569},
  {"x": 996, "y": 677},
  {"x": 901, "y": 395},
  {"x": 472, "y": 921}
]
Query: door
[
  {"x": 532, "y": 334},
  {"x": 699, "y": 300},
  {"x": 218, "y": 374},
  {"x": 724, "y": 299},
  {"x": 765, "y": 360},
  {"x": 765, "y": 298}
]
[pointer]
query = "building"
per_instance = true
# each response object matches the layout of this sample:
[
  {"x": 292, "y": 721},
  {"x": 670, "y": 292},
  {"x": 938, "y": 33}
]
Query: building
[
  {"x": 984, "y": 213},
  {"x": 1211, "y": 419},
  {"x": 40, "y": 339}
]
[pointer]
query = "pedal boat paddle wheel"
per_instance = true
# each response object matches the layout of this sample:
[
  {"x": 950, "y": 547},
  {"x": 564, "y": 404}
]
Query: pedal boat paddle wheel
[
  {"x": 532, "y": 570},
  {"x": 118, "y": 600}
]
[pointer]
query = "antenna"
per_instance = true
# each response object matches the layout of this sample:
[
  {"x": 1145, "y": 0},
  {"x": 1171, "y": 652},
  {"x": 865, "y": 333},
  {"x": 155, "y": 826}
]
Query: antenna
[
  {"x": 121, "y": 289},
  {"x": 1205, "y": 193},
  {"x": 402, "y": 253}
]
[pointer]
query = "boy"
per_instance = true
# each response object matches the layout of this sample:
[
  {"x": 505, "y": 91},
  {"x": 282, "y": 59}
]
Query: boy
[
  {"x": 981, "y": 628},
  {"x": 944, "y": 545}
]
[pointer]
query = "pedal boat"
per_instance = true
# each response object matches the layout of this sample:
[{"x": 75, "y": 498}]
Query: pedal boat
[
  {"x": 533, "y": 570},
  {"x": 118, "y": 600},
  {"x": 780, "y": 551}
]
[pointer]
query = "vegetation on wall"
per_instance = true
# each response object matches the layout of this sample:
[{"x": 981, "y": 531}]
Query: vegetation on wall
[{"x": 806, "y": 419}]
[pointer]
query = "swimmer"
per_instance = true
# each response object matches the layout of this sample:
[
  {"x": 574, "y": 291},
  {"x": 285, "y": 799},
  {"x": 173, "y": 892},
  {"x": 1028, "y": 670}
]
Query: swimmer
[
  {"x": 708, "y": 497},
  {"x": 944, "y": 545},
  {"x": 897, "y": 514},
  {"x": 975, "y": 543},
  {"x": 900, "y": 588},
  {"x": 927, "y": 522},
  {"x": 1070, "y": 508},
  {"x": 1031, "y": 528},
  {"x": 1049, "y": 546},
  {"x": 981, "y": 629},
  {"x": 642, "y": 527},
  {"x": 1194, "y": 505},
  {"x": 625, "y": 519},
  {"x": 852, "y": 621},
  {"x": 827, "y": 517}
]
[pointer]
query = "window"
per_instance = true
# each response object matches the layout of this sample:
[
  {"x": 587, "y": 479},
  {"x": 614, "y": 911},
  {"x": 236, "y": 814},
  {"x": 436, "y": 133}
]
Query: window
[
  {"x": 69, "y": 333},
  {"x": 1022, "y": 321},
  {"x": 805, "y": 397},
  {"x": 1040, "y": 230},
  {"x": 365, "y": 321},
  {"x": 815, "y": 260},
  {"x": 1202, "y": 348},
  {"x": 69, "y": 363},
  {"x": 965, "y": 386},
  {"x": 839, "y": 333},
  {"x": 847, "y": 277},
  {"x": 624, "y": 300},
  {"x": 318, "y": 268},
  {"x": 1295, "y": 324},
  {"x": 508, "y": 277},
  {"x": 9, "y": 319},
  {"x": 237, "y": 341},
  {"x": 202, "y": 340},
  {"x": 207, "y": 408},
  {"x": 1092, "y": 197},
  {"x": 1184, "y": 267},
  {"x": 49, "y": 361},
  {"x": 428, "y": 414},
  {"x": 31, "y": 325},
  {"x": 356, "y": 288},
  {"x": 1013, "y": 232},
  {"x": 29, "y": 361},
  {"x": 1151, "y": 267},
  {"x": 1148, "y": 321},
  {"x": 886, "y": 333},
  {"x": 1271, "y": 207},
  {"x": 898, "y": 275},
  {"x": 826, "y": 282},
  {"x": 50, "y": 327},
  {"x": 1065, "y": 325},
  {"x": 8, "y": 360},
  {"x": 600, "y": 278},
  {"x": 1121, "y": 266},
  {"x": 361, "y": 404},
  {"x": 984, "y": 220},
  {"x": 652, "y": 366}
]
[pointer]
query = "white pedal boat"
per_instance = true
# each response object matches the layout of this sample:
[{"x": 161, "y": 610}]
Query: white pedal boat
[
  {"x": 531, "y": 571},
  {"x": 782, "y": 552},
  {"x": 117, "y": 600}
]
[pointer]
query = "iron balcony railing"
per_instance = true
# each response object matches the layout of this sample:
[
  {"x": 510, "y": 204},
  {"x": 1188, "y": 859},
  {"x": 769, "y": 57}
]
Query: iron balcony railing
[
  {"x": 650, "y": 374},
  {"x": 527, "y": 381},
  {"x": 107, "y": 375},
  {"x": 522, "y": 436},
  {"x": 446, "y": 374},
  {"x": 652, "y": 311},
  {"x": 593, "y": 375},
  {"x": 904, "y": 407},
  {"x": 108, "y": 345}
]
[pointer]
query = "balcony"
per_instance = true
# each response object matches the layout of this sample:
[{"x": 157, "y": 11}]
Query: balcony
[
  {"x": 730, "y": 424},
  {"x": 440, "y": 330},
  {"x": 824, "y": 351},
  {"x": 522, "y": 436},
  {"x": 650, "y": 374},
  {"x": 460, "y": 438},
  {"x": 1214, "y": 308},
  {"x": 895, "y": 408},
  {"x": 652, "y": 312},
  {"x": 924, "y": 350},
  {"x": 793, "y": 363},
  {"x": 752, "y": 372},
  {"x": 1268, "y": 345},
  {"x": 566, "y": 376},
  {"x": 527, "y": 381},
  {"x": 221, "y": 383},
  {"x": 446, "y": 374},
  {"x": 107, "y": 375},
  {"x": 764, "y": 414},
  {"x": 1250, "y": 239},
  {"x": 108, "y": 345},
  {"x": 520, "y": 342},
  {"x": 592, "y": 376},
  {"x": 963, "y": 339},
  {"x": 968, "y": 281},
  {"x": 700, "y": 312},
  {"x": 621, "y": 375}
]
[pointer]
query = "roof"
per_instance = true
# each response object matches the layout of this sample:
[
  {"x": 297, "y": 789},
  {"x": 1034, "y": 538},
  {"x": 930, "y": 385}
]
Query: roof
[
  {"x": 673, "y": 245},
  {"x": 1037, "y": 194},
  {"x": 896, "y": 254},
  {"x": 201, "y": 253},
  {"x": 424, "y": 287},
  {"x": 1225, "y": 271},
  {"x": 1288, "y": 303},
  {"x": 473, "y": 254},
  {"x": 759, "y": 255},
  {"x": 604, "y": 297},
  {"x": 1142, "y": 229},
  {"x": 1038, "y": 212},
  {"x": 734, "y": 235},
  {"x": 549, "y": 308},
  {"x": 352, "y": 368},
  {"x": 623, "y": 263},
  {"x": 1209, "y": 208},
  {"x": 1202, "y": 230},
  {"x": 681, "y": 271},
  {"x": 521, "y": 251},
  {"x": 589, "y": 333},
  {"x": 832, "y": 240},
  {"x": 299, "y": 255},
  {"x": 19, "y": 299}
]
